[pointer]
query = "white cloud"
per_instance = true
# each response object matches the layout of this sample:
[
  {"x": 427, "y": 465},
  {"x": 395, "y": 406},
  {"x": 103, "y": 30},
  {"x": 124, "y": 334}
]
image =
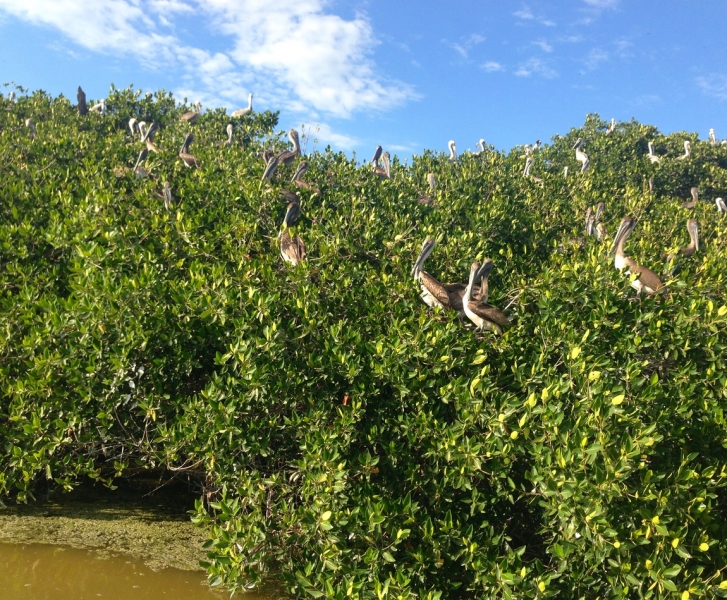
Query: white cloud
[
  {"x": 524, "y": 13},
  {"x": 535, "y": 66},
  {"x": 595, "y": 57},
  {"x": 466, "y": 44},
  {"x": 602, "y": 4},
  {"x": 714, "y": 85},
  {"x": 291, "y": 52},
  {"x": 543, "y": 45},
  {"x": 491, "y": 66},
  {"x": 324, "y": 133}
]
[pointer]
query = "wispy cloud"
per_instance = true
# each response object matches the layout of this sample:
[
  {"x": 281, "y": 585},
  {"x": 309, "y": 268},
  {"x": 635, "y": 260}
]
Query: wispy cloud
[
  {"x": 543, "y": 45},
  {"x": 602, "y": 4},
  {"x": 535, "y": 66},
  {"x": 464, "y": 46},
  {"x": 595, "y": 57},
  {"x": 525, "y": 14},
  {"x": 314, "y": 133},
  {"x": 714, "y": 85},
  {"x": 492, "y": 66}
]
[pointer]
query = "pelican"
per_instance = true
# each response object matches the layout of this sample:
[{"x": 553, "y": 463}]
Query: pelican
[
  {"x": 695, "y": 199},
  {"x": 530, "y": 149},
  {"x": 480, "y": 313},
  {"x": 270, "y": 168},
  {"x": 187, "y": 158},
  {"x": 600, "y": 230},
  {"x": 139, "y": 170},
  {"x": 267, "y": 155},
  {"x": 528, "y": 166},
  {"x": 647, "y": 280},
  {"x": 385, "y": 172},
  {"x": 99, "y": 107},
  {"x": 721, "y": 206},
  {"x": 230, "y": 131},
  {"x": 241, "y": 112},
  {"x": 301, "y": 170},
  {"x": 285, "y": 158},
  {"x": 481, "y": 145},
  {"x": 712, "y": 137},
  {"x": 291, "y": 249},
  {"x": 167, "y": 195},
  {"x": 30, "y": 125},
  {"x": 581, "y": 156},
  {"x": 377, "y": 156},
  {"x": 132, "y": 126},
  {"x": 82, "y": 108},
  {"x": 11, "y": 96},
  {"x": 437, "y": 294},
  {"x": 565, "y": 172},
  {"x": 141, "y": 128},
  {"x": 432, "y": 181},
  {"x": 148, "y": 134},
  {"x": 687, "y": 150},
  {"x": 452, "y": 151},
  {"x": 611, "y": 127},
  {"x": 652, "y": 156},
  {"x": 590, "y": 220},
  {"x": 192, "y": 116},
  {"x": 686, "y": 251}
]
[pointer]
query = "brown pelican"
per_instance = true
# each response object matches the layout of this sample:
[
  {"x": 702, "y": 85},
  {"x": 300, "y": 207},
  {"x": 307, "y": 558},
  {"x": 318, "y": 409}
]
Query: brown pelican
[
  {"x": 599, "y": 231},
  {"x": 528, "y": 166},
  {"x": 192, "y": 116},
  {"x": 385, "y": 172},
  {"x": 270, "y": 168},
  {"x": 187, "y": 158},
  {"x": 230, "y": 130},
  {"x": 267, "y": 155},
  {"x": 167, "y": 195},
  {"x": 647, "y": 280},
  {"x": 712, "y": 137},
  {"x": 377, "y": 156},
  {"x": 565, "y": 172},
  {"x": 301, "y": 170},
  {"x": 82, "y": 108},
  {"x": 590, "y": 220},
  {"x": 687, "y": 150},
  {"x": 148, "y": 133},
  {"x": 686, "y": 251},
  {"x": 530, "y": 149},
  {"x": 132, "y": 126},
  {"x": 480, "y": 313},
  {"x": 30, "y": 125},
  {"x": 481, "y": 145},
  {"x": 426, "y": 199},
  {"x": 139, "y": 170},
  {"x": 432, "y": 181},
  {"x": 291, "y": 249},
  {"x": 721, "y": 206},
  {"x": 244, "y": 111},
  {"x": 452, "y": 151},
  {"x": 11, "y": 96},
  {"x": 285, "y": 158},
  {"x": 653, "y": 157},
  {"x": 611, "y": 127},
  {"x": 99, "y": 107},
  {"x": 695, "y": 199},
  {"x": 581, "y": 156}
]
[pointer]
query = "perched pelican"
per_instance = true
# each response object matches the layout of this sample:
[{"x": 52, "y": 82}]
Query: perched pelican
[
  {"x": 141, "y": 128},
  {"x": 590, "y": 220},
  {"x": 287, "y": 157},
  {"x": 695, "y": 199},
  {"x": 230, "y": 130},
  {"x": 148, "y": 134},
  {"x": 301, "y": 170},
  {"x": 480, "y": 313},
  {"x": 11, "y": 96},
  {"x": 712, "y": 137},
  {"x": 647, "y": 280},
  {"x": 611, "y": 127},
  {"x": 99, "y": 107},
  {"x": 565, "y": 172},
  {"x": 167, "y": 195},
  {"x": 291, "y": 249},
  {"x": 139, "y": 170},
  {"x": 377, "y": 156},
  {"x": 687, "y": 150},
  {"x": 530, "y": 149},
  {"x": 653, "y": 157},
  {"x": 600, "y": 230},
  {"x": 187, "y": 158},
  {"x": 721, "y": 205},
  {"x": 432, "y": 181},
  {"x": 686, "y": 251},
  {"x": 192, "y": 116},
  {"x": 267, "y": 155},
  {"x": 452, "y": 151},
  {"x": 581, "y": 156},
  {"x": 82, "y": 108},
  {"x": 241, "y": 112},
  {"x": 528, "y": 166},
  {"x": 30, "y": 125},
  {"x": 385, "y": 172},
  {"x": 270, "y": 168},
  {"x": 132, "y": 126},
  {"x": 481, "y": 145}
]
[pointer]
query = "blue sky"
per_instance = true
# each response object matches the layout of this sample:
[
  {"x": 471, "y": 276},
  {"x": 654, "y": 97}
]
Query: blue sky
[{"x": 408, "y": 75}]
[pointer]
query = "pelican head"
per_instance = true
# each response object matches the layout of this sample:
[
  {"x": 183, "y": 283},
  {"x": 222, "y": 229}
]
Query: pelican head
[
  {"x": 474, "y": 272},
  {"x": 484, "y": 273},
  {"x": 291, "y": 214},
  {"x": 624, "y": 230},
  {"x": 695, "y": 194},
  {"x": 590, "y": 220},
  {"x": 452, "y": 151},
  {"x": 386, "y": 159},
  {"x": 149, "y": 133},
  {"x": 578, "y": 144},
  {"x": 142, "y": 157},
  {"x": 303, "y": 166},
  {"x": 293, "y": 137},
  {"x": 651, "y": 148},
  {"x": 721, "y": 205},
  {"x": 189, "y": 138},
  {"x": 427, "y": 248},
  {"x": 198, "y": 106},
  {"x": 600, "y": 207},
  {"x": 377, "y": 155},
  {"x": 432, "y": 181},
  {"x": 693, "y": 229}
]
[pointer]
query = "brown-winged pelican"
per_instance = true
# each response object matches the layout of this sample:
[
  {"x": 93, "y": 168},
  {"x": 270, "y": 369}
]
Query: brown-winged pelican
[
  {"x": 599, "y": 231},
  {"x": 192, "y": 115},
  {"x": 287, "y": 157},
  {"x": 81, "y": 96},
  {"x": 385, "y": 172},
  {"x": 687, "y": 150},
  {"x": 481, "y": 146},
  {"x": 291, "y": 249},
  {"x": 270, "y": 168},
  {"x": 30, "y": 125},
  {"x": 590, "y": 220},
  {"x": 241, "y": 112},
  {"x": 686, "y": 251},
  {"x": 301, "y": 170},
  {"x": 581, "y": 156},
  {"x": 480, "y": 313},
  {"x": 187, "y": 158},
  {"x": 528, "y": 166},
  {"x": 167, "y": 195},
  {"x": 148, "y": 133},
  {"x": 452, "y": 151},
  {"x": 695, "y": 199},
  {"x": 611, "y": 127},
  {"x": 647, "y": 280},
  {"x": 377, "y": 156},
  {"x": 652, "y": 156},
  {"x": 267, "y": 155},
  {"x": 99, "y": 107},
  {"x": 721, "y": 205}
]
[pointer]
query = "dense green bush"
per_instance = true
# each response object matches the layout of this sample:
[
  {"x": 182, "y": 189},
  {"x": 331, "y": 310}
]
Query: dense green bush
[{"x": 347, "y": 435}]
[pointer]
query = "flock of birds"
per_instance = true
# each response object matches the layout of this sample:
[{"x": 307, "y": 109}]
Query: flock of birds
[{"x": 467, "y": 300}]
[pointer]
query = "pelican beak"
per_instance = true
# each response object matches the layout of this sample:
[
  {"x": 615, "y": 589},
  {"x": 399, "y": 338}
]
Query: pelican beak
[
  {"x": 485, "y": 269},
  {"x": 619, "y": 235},
  {"x": 427, "y": 248},
  {"x": 474, "y": 270}
]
